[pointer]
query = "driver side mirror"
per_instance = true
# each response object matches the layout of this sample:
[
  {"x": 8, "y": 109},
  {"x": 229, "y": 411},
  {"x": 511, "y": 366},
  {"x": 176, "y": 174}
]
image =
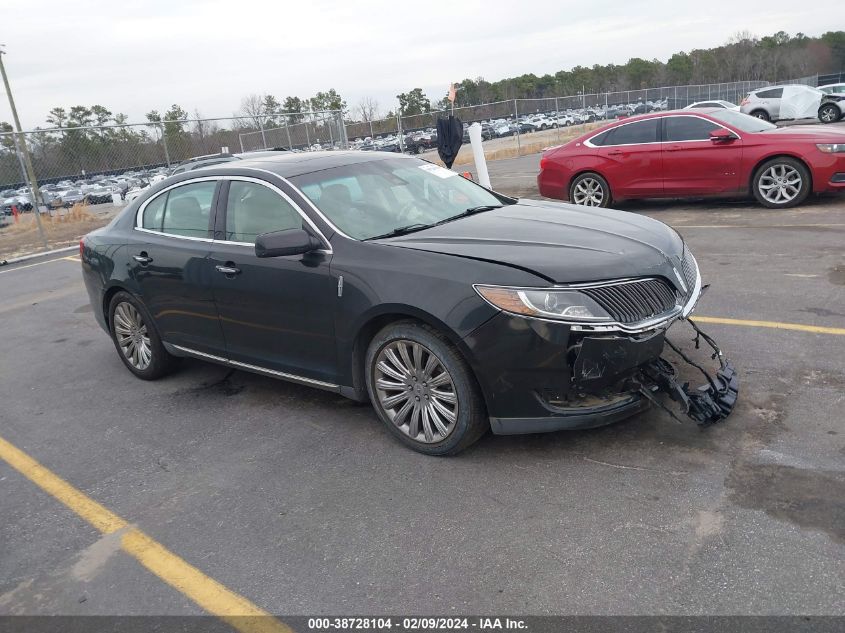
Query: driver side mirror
[
  {"x": 721, "y": 135},
  {"x": 287, "y": 242}
]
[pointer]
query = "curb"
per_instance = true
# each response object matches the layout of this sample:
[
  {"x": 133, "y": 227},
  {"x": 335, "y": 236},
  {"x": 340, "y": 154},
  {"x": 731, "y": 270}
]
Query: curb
[{"x": 23, "y": 258}]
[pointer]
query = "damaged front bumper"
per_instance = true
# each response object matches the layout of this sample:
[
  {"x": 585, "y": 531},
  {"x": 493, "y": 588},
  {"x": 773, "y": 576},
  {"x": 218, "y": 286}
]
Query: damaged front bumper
[
  {"x": 710, "y": 403},
  {"x": 609, "y": 377}
]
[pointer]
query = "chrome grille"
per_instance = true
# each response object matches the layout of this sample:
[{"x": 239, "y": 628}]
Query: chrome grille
[{"x": 634, "y": 301}]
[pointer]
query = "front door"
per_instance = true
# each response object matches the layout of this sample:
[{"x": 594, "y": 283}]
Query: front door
[
  {"x": 695, "y": 165},
  {"x": 169, "y": 259},
  {"x": 277, "y": 313}
]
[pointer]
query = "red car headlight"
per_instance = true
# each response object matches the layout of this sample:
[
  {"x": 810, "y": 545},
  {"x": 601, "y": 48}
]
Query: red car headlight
[{"x": 827, "y": 148}]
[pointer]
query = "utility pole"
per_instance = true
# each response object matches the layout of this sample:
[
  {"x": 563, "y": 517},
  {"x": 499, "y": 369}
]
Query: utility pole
[{"x": 33, "y": 183}]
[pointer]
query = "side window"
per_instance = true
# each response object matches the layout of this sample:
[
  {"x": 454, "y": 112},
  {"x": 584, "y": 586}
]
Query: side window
[
  {"x": 188, "y": 208},
  {"x": 154, "y": 213},
  {"x": 599, "y": 139},
  {"x": 253, "y": 209},
  {"x": 634, "y": 133},
  {"x": 773, "y": 93},
  {"x": 688, "y": 128}
]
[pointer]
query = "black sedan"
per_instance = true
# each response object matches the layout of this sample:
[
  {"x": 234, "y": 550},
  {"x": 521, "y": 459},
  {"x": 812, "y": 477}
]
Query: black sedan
[{"x": 453, "y": 309}]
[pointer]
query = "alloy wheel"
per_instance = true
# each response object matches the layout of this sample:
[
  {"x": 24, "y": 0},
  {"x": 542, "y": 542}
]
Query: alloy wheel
[
  {"x": 132, "y": 336},
  {"x": 588, "y": 192},
  {"x": 780, "y": 183},
  {"x": 829, "y": 114},
  {"x": 416, "y": 391}
]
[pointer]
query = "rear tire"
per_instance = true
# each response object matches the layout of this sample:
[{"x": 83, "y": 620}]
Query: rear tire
[
  {"x": 762, "y": 115},
  {"x": 423, "y": 390},
  {"x": 136, "y": 339},
  {"x": 590, "y": 190},
  {"x": 781, "y": 183},
  {"x": 829, "y": 113}
]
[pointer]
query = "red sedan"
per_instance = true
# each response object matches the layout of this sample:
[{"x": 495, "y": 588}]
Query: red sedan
[{"x": 709, "y": 152}]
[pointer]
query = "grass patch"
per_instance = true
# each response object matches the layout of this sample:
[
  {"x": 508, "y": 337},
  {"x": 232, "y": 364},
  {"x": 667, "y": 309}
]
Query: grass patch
[{"x": 64, "y": 228}]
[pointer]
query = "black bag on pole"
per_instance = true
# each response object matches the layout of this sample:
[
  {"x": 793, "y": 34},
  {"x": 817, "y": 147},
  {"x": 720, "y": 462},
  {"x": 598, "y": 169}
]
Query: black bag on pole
[{"x": 450, "y": 136}]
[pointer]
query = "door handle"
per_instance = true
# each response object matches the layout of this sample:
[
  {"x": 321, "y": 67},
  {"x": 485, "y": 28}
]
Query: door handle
[
  {"x": 228, "y": 270},
  {"x": 142, "y": 258},
  {"x": 615, "y": 152},
  {"x": 674, "y": 148}
]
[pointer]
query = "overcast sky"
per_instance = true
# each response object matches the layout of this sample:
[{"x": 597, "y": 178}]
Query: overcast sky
[{"x": 135, "y": 56}]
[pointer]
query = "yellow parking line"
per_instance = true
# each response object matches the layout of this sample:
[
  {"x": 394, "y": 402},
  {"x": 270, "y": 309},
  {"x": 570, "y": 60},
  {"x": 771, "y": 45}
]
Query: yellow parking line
[
  {"x": 777, "y": 325},
  {"x": 209, "y": 594}
]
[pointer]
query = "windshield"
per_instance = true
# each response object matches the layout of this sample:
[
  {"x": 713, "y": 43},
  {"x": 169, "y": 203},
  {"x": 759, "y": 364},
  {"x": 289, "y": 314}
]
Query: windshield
[
  {"x": 379, "y": 197},
  {"x": 744, "y": 122}
]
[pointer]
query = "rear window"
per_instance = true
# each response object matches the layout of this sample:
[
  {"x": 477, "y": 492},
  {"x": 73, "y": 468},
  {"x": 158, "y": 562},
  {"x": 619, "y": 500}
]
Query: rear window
[{"x": 772, "y": 93}]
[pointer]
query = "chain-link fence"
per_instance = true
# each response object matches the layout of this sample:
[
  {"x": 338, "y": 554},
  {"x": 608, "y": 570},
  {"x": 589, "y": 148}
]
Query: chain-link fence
[
  {"x": 113, "y": 163},
  {"x": 82, "y": 154}
]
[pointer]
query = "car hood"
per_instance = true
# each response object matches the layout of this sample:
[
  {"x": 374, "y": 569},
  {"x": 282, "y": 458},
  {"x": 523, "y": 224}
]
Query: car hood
[
  {"x": 813, "y": 132},
  {"x": 561, "y": 242}
]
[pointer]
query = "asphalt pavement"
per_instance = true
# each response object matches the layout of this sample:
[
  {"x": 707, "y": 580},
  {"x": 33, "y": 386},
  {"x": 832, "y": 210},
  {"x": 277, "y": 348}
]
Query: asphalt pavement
[{"x": 301, "y": 502}]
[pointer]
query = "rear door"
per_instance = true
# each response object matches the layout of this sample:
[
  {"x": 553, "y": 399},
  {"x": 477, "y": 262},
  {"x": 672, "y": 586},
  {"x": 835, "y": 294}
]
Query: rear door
[
  {"x": 631, "y": 159},
  {"x": 770, "y": 100},
  {"x": 169, "y": 262},
  {"x": 277, "y": 313},
  {"x": 695, "y": 165}
]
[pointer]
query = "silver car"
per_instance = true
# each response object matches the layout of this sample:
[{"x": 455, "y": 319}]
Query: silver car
[{"x": 763, "y": 103}]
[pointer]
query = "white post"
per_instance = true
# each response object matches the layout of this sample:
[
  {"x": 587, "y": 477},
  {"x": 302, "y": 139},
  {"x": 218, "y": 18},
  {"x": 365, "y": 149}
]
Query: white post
[{"x": 478, "y": 155}]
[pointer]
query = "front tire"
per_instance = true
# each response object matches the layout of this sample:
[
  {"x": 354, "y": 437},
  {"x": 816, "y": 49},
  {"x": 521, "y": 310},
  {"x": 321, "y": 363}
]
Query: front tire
[
  {"x": 589, "y": 190},
  {"x": 829, "y": 113},
  {"x": 781, "y": 183},
  {"x": 136, "y": 339},
  {"x": 423, "y": 390}
]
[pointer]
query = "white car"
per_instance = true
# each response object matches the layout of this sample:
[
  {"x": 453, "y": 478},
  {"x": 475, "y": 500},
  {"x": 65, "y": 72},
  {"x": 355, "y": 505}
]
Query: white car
[
  {"x": 718, "y": 103},
  {"x": 541, "y": 122},
  {"x": 565, "y": 120},
  {"x": 833, "y": 89}
]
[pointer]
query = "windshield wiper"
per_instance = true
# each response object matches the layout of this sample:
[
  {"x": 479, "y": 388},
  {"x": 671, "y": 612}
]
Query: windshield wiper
[
  {"x": 402, "y": 230},
  {"x": 411, "y": 228},
  {"x": 470, "y": 211},
  {"x": 480, "y": 208}
]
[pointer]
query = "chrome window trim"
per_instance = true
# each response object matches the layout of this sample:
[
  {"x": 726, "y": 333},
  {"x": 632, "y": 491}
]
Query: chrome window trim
[
  {"x": 658, "y": 118},
  {"x": 256, "y": 368},
  {"x": 696, "y": 116},
  {"x": 663, "y": 320},
  {"x": 589, "y": 144},
  {"x": 308, "y": 201},
  {"x": 272, "y": 187},
  {"x": 139, "y": 215}
]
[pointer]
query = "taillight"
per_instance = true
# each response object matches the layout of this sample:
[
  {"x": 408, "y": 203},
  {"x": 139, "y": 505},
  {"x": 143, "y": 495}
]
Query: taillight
[
  {"x": 81, "y": 247},
  {"x": 543, "y": 162},
  {"x": 744, "y": 102}
]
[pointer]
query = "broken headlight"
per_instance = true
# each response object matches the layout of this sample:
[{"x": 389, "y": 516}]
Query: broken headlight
[{"x": 547, "y": 303}]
